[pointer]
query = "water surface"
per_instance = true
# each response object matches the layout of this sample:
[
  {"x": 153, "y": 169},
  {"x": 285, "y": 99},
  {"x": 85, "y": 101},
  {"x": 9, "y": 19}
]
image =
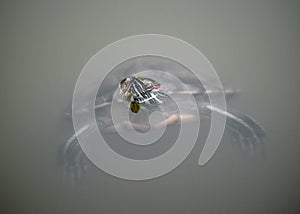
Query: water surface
[{"x": 254, "y": 46}]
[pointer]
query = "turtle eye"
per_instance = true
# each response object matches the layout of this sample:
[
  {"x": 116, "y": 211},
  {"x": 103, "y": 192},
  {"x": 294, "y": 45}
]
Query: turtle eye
[
  {"x": 126, "y": 81},
  {"x": 122, "y": 85},
  {"x": 135, "y": 107}
]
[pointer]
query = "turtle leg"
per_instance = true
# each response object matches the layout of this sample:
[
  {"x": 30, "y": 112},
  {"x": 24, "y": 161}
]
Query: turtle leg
[
  {"x": 245, "y": 127},
  {"x": 229, "y": 93},
  {"x": 75, "y": 162}
]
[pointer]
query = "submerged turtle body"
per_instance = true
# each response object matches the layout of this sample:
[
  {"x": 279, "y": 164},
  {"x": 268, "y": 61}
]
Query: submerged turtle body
[{"x": 139, "y": 94}]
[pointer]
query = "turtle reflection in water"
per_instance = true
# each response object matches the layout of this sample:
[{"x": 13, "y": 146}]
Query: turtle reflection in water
[{"x": 143, "y": 95}]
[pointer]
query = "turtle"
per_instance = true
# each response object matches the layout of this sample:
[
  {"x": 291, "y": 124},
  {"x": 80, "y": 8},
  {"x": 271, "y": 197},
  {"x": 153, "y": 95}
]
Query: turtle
[
  {"x": 141, "y": 90},
  {"x": 141, "y": 86}
]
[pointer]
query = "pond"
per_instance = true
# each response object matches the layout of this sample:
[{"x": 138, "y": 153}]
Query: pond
[{"x": 253, "y": 48}]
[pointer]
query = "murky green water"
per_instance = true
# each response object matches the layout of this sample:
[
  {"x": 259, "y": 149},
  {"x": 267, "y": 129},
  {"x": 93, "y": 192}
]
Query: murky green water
[{"x": 254, "y": 46}]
